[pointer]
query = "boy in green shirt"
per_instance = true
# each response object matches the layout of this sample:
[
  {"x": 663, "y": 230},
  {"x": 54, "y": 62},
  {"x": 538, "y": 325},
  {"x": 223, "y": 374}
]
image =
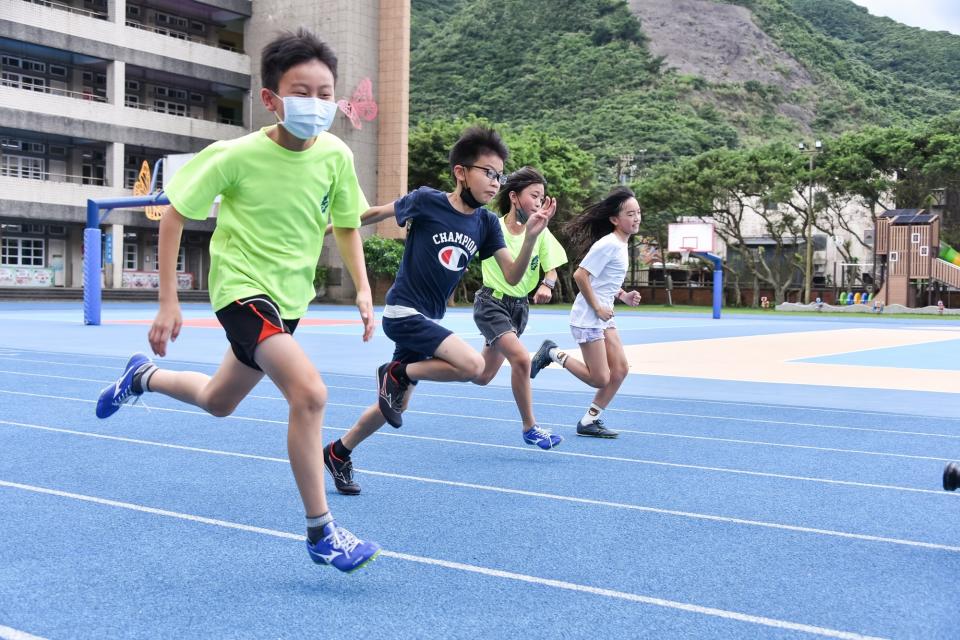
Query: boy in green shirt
[{"x": 279, "y": 187}]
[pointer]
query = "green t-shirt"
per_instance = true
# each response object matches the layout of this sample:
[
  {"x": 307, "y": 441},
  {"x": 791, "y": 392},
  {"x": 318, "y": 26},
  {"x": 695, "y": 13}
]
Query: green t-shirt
[
  {"x": 274, "y": 211},
  {"x": 547, "y": 255}
]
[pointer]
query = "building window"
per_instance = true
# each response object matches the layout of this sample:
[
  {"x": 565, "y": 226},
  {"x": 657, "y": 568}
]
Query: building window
[
  {"x": 58, "y": 150},
  {"x": 196, "y": 98},
  {"x": 10, "y": 61},
  {"x": 131, "y": 100},
  {"x": 172, "y": 108},
  {"x": 150, "y": 262},
  {"x": 58, "y": 71},
  {"x": 133, "y": 85},
  {"x": 133, "y": 11},
  {"x": 93, "y": 174},
  {"x": 22, "y": 167},
  {"x": 35, "y": 66},
  {"x": 21, "y": 252},
  {"x": 36, "y": 147},
  {"x": 20, "y": 81},
  {"x": 130, "y": 255},
  {"x": 924, "y": 251},
  {"x": 57, "y": 230},
  {"x": 88, "y": 76},
  {"x": 894, "y": 256},
  {"x": 197, "y": 26},
  {"x": 36, "y": 229}
]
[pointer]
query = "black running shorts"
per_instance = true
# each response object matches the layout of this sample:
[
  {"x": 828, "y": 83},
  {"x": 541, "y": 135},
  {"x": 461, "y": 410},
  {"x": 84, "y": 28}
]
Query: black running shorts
[{"x": 249, "y": 322}]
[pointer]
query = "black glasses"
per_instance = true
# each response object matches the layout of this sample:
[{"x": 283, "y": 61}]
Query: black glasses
[{"x": 490, "y": 173}]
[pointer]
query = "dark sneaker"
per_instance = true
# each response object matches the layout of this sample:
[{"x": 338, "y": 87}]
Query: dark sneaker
[
  {"x": 342, "y": 549},
  {"x": 541, "y": 359},
  {"x": 342, "y": 472},
  {"x": 541, "y": 438},
  {"x": 121, "y": 391},
  {"x": 391, "y": 393},
  {"x": 951, "y": 476},
  {"x": 595, "y": 429}
]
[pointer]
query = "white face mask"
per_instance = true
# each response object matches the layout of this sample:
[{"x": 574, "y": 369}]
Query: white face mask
[{"x": 305, "y": 117}]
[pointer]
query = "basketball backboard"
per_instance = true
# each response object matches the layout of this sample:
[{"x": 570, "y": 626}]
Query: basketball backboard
[{"x": 695, "y": 237}]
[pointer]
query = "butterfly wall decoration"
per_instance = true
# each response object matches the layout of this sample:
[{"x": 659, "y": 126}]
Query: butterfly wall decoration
[{"x": 361, "y": 105}]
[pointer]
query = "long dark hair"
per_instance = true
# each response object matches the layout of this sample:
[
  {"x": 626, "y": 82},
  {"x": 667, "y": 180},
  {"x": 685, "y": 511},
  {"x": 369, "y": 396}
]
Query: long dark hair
[
  {"x": 594, "y": 222},
  {"x": 517, "y": 182}
]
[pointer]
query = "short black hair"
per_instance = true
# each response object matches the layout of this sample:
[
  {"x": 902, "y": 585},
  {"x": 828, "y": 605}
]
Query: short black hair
[
  {"x": 474, "y": 142},
  {"x": 290, "y": 49},
  {"x": 517, "y": 182}
]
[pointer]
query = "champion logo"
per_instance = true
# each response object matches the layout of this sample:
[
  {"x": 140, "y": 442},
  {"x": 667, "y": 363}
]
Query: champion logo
[{"x": 453, "y": 258}]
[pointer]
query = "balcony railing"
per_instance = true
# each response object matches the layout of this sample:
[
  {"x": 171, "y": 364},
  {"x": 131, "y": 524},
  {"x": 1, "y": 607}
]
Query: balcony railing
[
  {"x": 65, "y": 7},
  {"x": 27, "y": 86},
  {"x": 46, "y": 176}
]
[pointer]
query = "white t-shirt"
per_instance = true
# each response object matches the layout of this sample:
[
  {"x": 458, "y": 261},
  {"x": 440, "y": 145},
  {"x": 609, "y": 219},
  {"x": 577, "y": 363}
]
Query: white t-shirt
[{"x": 607, "y": 264}]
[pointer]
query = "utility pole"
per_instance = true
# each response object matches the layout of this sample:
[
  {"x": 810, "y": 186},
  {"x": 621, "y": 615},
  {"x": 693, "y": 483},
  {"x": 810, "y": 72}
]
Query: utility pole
[{"x": 808, "y": 227}]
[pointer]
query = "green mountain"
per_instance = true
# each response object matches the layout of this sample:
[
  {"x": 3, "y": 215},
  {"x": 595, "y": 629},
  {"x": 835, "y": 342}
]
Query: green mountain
[{"x": 665, "y": 78}]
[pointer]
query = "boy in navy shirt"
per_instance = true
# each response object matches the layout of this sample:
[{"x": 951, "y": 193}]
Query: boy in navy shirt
[{"x": 445, "y": 231}]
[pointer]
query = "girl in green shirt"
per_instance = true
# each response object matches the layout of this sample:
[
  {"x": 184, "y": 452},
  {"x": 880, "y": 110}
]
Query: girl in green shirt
[{"x": 501, "y": 309}]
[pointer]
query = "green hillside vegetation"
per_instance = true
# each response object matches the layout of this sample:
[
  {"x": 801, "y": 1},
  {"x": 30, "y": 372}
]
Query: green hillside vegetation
[
  {"x": 916, "y": 56},
  {"x": 584, "y": 71}
]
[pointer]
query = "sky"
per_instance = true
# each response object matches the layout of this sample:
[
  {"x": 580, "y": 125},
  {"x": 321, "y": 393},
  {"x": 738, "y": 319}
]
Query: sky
[{"x": 935, "y": 15}]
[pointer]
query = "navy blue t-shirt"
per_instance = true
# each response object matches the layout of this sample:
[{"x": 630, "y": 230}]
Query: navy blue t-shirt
[{"x": 441, "y": 241}]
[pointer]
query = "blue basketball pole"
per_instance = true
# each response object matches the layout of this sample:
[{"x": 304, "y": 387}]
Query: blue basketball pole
[
  {"x": 92, "y": 292},
  {"x": 717, "y": 281}
]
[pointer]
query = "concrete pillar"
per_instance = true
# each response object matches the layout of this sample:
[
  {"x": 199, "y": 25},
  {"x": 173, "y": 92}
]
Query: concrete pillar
[
  {"x": 394, "y": 107},
  {"x": 117, "y": 9},
  {"x": 116, "y": 82},
  {"x": 113, "y": 272},
  {"x": 114, "y": 162}
]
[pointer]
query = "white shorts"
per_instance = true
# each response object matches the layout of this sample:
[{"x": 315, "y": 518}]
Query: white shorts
[{"x": 589, "y": 334}]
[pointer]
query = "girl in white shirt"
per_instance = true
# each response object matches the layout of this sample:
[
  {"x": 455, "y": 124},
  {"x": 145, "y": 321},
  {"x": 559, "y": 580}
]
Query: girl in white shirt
[{"x": 604, "y": 227}]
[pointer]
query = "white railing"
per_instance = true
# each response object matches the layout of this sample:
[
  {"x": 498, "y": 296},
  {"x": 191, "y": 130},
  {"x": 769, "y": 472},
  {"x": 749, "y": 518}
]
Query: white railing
[
  {"x": 46, "y": 176},
  {"x": 65, "y": 7},
  {"x": 78, "y": 95}
]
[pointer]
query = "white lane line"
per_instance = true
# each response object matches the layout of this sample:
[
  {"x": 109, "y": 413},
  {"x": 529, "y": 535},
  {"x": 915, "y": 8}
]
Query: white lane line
[
  {"x": 530, "y": 451},
  {"x": 486, "y": 571},
  {"x": 565, "y": 392},
  {"x": 630, "y": 411},
  {"x": 520, "y": 492},
  {"x": 8, "y": 633}
]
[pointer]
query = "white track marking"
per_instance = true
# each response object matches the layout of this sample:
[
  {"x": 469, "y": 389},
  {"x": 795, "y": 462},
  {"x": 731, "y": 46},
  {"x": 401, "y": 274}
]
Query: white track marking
[
  {"x": 470, "y": 568},
  {"x": 530, "y": 451},
  {"x": 521, "y": 492}
]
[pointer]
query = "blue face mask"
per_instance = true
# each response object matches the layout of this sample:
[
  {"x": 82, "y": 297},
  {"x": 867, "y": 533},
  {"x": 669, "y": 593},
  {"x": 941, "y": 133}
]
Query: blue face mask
[{"x": 305, "y": 117}]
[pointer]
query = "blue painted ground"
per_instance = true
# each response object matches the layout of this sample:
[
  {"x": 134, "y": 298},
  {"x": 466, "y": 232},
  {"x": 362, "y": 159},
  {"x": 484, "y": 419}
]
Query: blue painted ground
[
  {"x": 932, "y": 355},
  {"x": 725, "y": 509}
]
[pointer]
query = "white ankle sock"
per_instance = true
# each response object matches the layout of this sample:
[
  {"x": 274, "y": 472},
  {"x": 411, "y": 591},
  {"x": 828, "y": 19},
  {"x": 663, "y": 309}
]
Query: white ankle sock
[
  {"x": 592, "y": 414},
  {"x": 560, "y": 357}
]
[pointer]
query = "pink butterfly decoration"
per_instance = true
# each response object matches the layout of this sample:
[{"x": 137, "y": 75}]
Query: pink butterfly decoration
[{"x": 361, "y": 106}]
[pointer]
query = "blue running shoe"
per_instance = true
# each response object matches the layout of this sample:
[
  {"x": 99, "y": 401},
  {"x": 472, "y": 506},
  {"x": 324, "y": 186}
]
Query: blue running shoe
[
  {"x": 541, "y": 359},
  {"x": 121, "y": 391},
  {"x": 541, "y": 438},
  {"x": 342, "y": 549}
]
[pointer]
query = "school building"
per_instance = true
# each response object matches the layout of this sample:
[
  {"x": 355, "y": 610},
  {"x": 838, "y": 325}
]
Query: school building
[{"x": 93, "y": 89}]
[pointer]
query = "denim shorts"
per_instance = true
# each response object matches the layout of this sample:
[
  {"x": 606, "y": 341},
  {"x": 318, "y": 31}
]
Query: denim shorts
[
  {"x": 416, "y": 337},
  {"x": 497, "y": 316}
]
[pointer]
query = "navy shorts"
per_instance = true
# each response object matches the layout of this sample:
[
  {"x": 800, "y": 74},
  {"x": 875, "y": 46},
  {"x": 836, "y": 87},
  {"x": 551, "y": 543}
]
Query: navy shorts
[
  {"x": 416, "y": 337},
  {"x": 249, "y": 322}
]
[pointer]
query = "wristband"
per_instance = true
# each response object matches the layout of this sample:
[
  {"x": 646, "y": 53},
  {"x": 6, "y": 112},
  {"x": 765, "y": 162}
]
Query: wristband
[{"x": 548, "y": 283}]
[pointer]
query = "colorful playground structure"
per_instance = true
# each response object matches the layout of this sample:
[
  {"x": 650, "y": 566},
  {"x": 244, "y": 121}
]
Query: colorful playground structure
[{"x": 913, "y": 260}]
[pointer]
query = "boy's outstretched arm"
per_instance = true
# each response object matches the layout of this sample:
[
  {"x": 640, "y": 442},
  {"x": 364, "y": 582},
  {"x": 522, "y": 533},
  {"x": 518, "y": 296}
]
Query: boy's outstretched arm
[
  {"x": 351, "y": 250},
  {"x": 373, "y": 215},
  {"x": 166, "y": 325}
]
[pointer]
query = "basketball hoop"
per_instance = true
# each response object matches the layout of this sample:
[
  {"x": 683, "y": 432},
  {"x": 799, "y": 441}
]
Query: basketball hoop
[{"x": 684, "y": 255}]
